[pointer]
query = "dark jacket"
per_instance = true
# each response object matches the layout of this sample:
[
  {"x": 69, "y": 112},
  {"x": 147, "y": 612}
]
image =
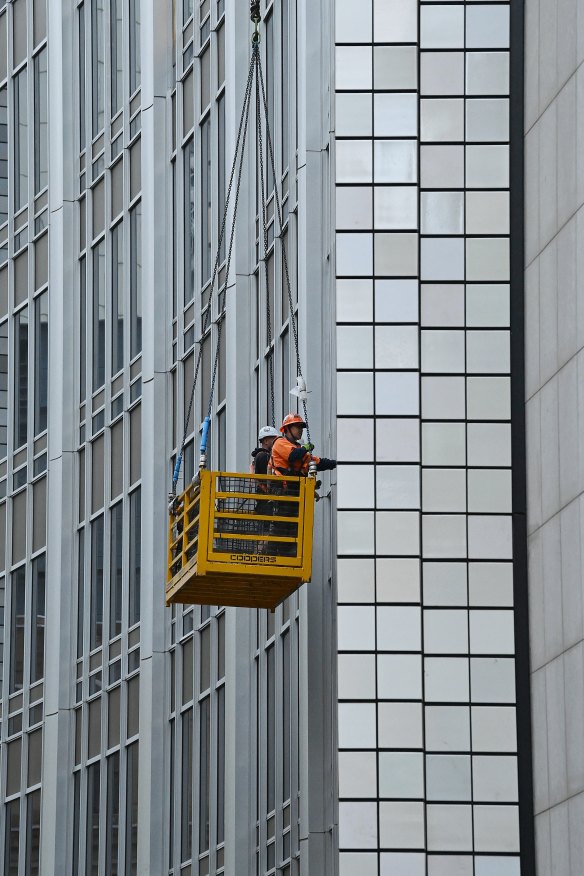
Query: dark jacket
[{"x": 260, "y": 459}]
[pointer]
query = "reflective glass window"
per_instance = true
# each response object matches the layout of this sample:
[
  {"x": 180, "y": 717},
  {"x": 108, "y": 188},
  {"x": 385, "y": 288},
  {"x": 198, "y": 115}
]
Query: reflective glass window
[
  {"x": 135, "y": 557},
  {"x": 135, "y": 49},
  {"x": 41, "y": 363},
  {"x": 136, "y": 280},
  {"x": 116, "y": 569},
  {"x": 98, "y": 255},
  {"x": 33, "y": 833},
  {"x": 112, "y": 813},
  {"x": 20, "y": 139},
  {"x": 96, "y": 614},
  {"x": 396, "y": 68},
  {"x": 132, "y": 810},
  {"x": 17, "y": 630},
  {"x": 206, "y": 207},
  {"x": 204, "y": 772},
  {"x": 37, "y": 639},
  {"x": 81, "y": 35},
  {"x": 442, "y": 73},
  {"x": 12, "y": 839},
  {"x": 187, "y": 785},
  {"x": 20, "y": 377},
  {"x": 116, "y": 54},
  {"x": 3, "y": 151},
  {"x": 117, "y": 298},
  {"x": 189, "y": 220},
  {"x": 41, "y": 122},
  {"x": 97, "y": 64},
  {"x": 3, "y": 388}
]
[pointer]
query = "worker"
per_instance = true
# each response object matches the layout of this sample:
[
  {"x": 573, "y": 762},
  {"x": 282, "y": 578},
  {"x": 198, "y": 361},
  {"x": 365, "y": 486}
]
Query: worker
[
  {"x": 261, "y": 455},
  {"x": 289, "y": 456},
  {"x": 260, "y": 459}
]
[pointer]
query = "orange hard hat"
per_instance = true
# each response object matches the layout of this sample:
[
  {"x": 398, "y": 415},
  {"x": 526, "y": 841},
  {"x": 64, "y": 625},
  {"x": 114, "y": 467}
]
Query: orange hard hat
[{"x": 291, "y": 420}]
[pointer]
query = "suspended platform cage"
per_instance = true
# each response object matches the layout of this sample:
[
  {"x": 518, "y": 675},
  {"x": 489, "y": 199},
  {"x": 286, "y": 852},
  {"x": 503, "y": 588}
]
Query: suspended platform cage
[{"x": 239, "y": 539}]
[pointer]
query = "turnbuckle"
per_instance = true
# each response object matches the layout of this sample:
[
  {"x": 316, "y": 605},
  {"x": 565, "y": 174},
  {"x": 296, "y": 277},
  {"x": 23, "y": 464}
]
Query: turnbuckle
[{"x": 255, "y": 15}]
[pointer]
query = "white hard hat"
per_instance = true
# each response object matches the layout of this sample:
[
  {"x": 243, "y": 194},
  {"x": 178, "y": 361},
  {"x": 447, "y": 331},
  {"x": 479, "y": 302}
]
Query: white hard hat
[{"x": 268, "y": 432}]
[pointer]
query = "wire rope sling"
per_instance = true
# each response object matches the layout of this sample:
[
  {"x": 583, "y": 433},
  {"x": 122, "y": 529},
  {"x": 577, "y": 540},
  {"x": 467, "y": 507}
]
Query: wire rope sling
[{"x": 233, "y": 538}]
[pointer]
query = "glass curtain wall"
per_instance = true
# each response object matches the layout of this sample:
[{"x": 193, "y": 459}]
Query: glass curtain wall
[
  {"x": 24, "y": 356},
  {"x": 109, "y": 392},
  {"x": 197, "y": 644}
]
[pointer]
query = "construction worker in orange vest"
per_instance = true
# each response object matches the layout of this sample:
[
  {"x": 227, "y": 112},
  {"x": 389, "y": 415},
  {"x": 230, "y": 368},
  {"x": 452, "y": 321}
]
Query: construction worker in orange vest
[{"x": 289, "y": 456}]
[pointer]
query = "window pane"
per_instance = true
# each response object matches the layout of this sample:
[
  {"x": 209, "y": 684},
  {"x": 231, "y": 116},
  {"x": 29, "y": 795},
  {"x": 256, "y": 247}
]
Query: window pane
[
  {"x": 3, "y": 43},
  {"x": 135, "y": 63},
  {"x": 40, "y": 20},
  {"x": 136, "y": 280},
  {"x": 3, "y": 388},
  {"x": 221, "y": 168},
  {"x": 206, "y": 212},
  {"x": 82, "y": 330},
  {"x": 135, "y": 556},
  {"x": 20, "y": 141},
  {"x": 96, "y": 618},
  {"x": 92, "y": 833},
  {"x": 286, "y": 717},
  {"x": 41, "y": 361},
  {"x": 82, "y": 77},
  {"x": 132, "y": 810},
  {"x": 2, "y": 590},
  {"x": 17, "y": 630},
  {"x": 205, "y": 78},
  {"x": 11, "y": 843},
  {"x": 99, "y": 315},
  {"x": 3, "y": 152},
  {"x": 20, "y": 377},
  {"x": 97, "y": 65},
  {"x": 117, "y": 55},
  {"x": 41, "y": 120},
  {"x": 116, "y": 570},
  {"x": 117, "y": 298},
  {"x": 19, "y": 31},
  {"x": 113, "y": 814},
  {"x": 80, "y": 593},
  {"x": 204, "y": 774},
  {"x": 76, "y": 795},
  {"x": 117, "y": 459},
  {"x": 220, "y": 765},
  {"x": 189, "y": 195},
  {"x": 37, "y": 640},
  {"x": 187, "y": 786},
  {"x": 33, "y": 833},
  {"x": 271, "y": 732}
]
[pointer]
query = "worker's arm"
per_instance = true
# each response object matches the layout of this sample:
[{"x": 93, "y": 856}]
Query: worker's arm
[
  {"x": 326, "y": 464},
  {"x": 297, "y": 455}
]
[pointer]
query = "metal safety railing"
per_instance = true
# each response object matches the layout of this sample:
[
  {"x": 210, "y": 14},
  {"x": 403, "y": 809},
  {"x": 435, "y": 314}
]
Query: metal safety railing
[{"x": 229, "y": 524}]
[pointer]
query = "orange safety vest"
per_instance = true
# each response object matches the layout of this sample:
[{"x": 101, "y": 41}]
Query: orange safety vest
[{"x": 280, "y": 459}]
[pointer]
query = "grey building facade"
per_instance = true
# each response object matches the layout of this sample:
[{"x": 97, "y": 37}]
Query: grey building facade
[
  {"x": 379, "y": 722},
  {"x": 554, "y": 313}
]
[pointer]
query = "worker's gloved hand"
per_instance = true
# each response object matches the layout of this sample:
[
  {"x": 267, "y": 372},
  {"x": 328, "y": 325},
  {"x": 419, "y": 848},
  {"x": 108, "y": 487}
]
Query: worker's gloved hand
[
  {"x": 326, "y": 464},
  {"x": 309, "y": 447}
]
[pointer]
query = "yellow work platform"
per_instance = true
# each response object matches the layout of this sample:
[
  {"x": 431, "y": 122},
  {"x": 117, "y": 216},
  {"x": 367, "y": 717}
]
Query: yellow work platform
[{"x": 239, "y": 539}]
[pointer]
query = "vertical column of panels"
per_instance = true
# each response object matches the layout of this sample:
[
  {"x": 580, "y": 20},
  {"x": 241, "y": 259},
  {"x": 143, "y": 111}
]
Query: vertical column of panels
[{"x": 426, "y": 675}]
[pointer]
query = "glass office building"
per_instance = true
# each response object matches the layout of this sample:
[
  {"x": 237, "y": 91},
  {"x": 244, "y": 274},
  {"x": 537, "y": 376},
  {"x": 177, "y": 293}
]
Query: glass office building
[{"x": 380, "y": 722}]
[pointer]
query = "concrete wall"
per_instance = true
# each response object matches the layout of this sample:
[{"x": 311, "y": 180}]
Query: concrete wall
[{"x": 554, "y": 322}]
